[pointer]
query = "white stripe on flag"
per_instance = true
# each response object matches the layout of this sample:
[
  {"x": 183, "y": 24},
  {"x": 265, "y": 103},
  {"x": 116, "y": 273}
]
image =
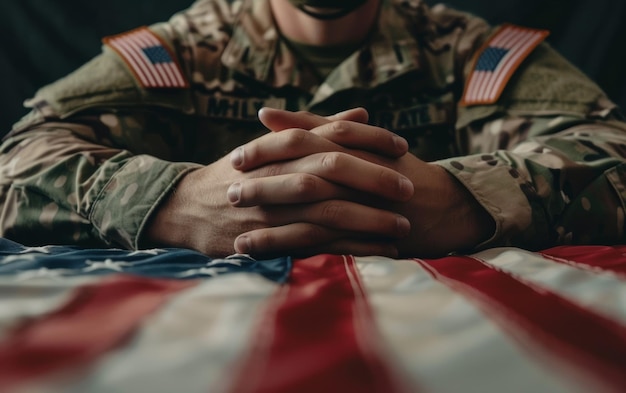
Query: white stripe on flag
[
  {"x": 583, "y": 345},
  {"x": 443, "y": 339},
  {"x": 599, "y": 292},
  {"x": 319, "y": 336},
  {"x": 191, "y": 344},
  {"x": 366, "y": 330},
  {"x": 34, "y": 298}
]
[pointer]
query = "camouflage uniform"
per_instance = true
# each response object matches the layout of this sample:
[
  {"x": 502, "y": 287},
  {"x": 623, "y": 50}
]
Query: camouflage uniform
[{"x": 98, "y": 152}]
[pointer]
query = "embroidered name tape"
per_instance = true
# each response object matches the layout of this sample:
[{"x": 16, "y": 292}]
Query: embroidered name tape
[
  {"x": 497, "y": 61},
  {"x": 147, "y": 56}
]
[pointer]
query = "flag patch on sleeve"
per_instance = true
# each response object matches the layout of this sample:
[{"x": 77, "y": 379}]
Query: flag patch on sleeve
[
  {"x": 496, "y": 62},
  {"x": 150, "y": 60}
]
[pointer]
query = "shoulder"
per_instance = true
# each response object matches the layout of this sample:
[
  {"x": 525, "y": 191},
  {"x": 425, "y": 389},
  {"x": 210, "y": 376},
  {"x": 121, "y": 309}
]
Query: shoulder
[
  {"x": 441, "y": 23},
  {"x": 516, "y": 70},
  {"x": 151, "y": 65},
  {"x": 448, "y": 37},
  {"x": 206, "y": 21},
  {"x": 526, "y": 74}
]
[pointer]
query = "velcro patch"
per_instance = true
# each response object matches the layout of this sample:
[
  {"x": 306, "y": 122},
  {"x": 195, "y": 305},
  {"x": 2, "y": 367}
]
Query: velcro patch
[
  {"x": 496, "y": 62},
  {"x": 150, "y": 60}
]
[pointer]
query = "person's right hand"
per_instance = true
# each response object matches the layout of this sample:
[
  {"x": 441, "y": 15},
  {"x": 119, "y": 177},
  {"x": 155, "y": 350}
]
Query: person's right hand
[
  {"x": 444, "y": 215},
  {"x": 315, "y": 186}
]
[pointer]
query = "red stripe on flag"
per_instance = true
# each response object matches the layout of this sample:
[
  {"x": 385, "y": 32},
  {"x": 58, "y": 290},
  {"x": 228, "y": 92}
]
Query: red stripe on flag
[
  {"x": 588, "y": 341},
  {"x": 602, "y": 258},
  {"x": 97, "y": 319},
  {"x": 319, "y": 336}
]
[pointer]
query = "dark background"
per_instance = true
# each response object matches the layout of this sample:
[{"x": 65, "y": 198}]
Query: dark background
[{"x": 42, "y": 40}]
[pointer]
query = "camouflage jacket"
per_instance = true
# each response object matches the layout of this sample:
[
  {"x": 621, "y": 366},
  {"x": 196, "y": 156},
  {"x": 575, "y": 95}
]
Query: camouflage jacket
[{"x": 100, "y": 150}]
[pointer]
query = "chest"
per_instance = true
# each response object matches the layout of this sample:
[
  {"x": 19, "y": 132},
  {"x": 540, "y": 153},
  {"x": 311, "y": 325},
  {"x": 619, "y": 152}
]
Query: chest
[{"x": 424, "y": 117}]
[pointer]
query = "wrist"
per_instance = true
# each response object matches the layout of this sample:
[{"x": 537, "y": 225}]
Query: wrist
[
  {"x": 470, "y": 222},
  {"x": 164, "y": 227}
]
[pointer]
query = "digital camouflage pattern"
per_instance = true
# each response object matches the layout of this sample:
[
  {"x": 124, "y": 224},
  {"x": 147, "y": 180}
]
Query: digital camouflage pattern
[{"x": 98, "y": 153}]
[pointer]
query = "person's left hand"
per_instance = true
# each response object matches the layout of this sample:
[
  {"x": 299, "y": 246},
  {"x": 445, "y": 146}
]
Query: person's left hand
[{"x": 444, "y": 216}]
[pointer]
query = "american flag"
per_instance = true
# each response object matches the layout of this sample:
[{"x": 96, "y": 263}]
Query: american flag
[
  {"x": 172, "y": 320},
  {"x": 497, "y": 61},
  {"x": 149, "y": 58}
]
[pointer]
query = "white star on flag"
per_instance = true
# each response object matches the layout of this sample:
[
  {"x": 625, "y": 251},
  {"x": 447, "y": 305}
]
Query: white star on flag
[
  {"x": 154, "y": 251},
  {"x": 205, "y": 271},
  {"x": 107, "y": 264},
  {"x": 40, "y": 250},
  {"x": 234, "y": 262},
  {"x": 239, "y": 256}
]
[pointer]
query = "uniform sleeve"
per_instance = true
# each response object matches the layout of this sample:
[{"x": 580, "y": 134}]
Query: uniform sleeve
[
  {"x": 94, "y": 157},
  {"x": 70, "y": 183},
  {"x": 99, "y": 150},
  {"x": 547, "y": 160},
  {"x": 102, "y": 148}
]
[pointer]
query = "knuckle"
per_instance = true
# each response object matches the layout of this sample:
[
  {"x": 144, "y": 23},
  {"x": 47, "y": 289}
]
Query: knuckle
[
  {"x": 331, "y": 212},
  {"x": 381, "y": 134},
  {"x": 341, "y": 128},
  {"x": 270, "y": 170},
  {"x": 305, "y": 113},
  {"x": 387, "y": 179},
  {"x": 305, "y": 185},
  {"x": 331, "y": 161},
  {"x": 294, "y": 138}
]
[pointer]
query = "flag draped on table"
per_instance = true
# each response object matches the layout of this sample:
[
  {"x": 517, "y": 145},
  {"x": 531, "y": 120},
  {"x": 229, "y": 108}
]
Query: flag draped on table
[{"x": 505, "y": 319}]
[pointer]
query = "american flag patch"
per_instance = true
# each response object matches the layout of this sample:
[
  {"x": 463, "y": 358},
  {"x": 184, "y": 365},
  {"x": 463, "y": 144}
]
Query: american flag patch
[
  {"x": 497, "y": 61},
  {"x": 149, "y": 59}
]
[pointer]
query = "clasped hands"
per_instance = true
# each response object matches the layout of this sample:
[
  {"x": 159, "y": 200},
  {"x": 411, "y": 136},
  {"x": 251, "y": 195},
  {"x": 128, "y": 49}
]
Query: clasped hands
[{"x": 321, "y": 185}]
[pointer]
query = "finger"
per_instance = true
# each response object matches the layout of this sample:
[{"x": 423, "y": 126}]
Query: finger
[
  {"x": 341, "y": 215},
  {"x": 365, "y": 137},
  {"x": 296, "y": 188},
  {"x": 285, "y": 189},
  {"x": 353, "y": 217},
  {"x": 336, "y": 136},
  {"x": 276, "y": 147},
  {"x": 279, "y": 120},
  {"x": 307, "y": 239},
  {"x": 348, "y": 171},
  {"x": 348, "y": 129}
]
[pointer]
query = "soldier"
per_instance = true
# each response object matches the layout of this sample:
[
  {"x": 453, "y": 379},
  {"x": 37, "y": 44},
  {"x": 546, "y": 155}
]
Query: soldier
[{"x": 397, "y": 129}]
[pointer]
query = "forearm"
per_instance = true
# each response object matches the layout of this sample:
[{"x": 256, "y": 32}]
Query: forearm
[
  {"x": 193, "y": 214},
  {"x": 59, "y": 188}
]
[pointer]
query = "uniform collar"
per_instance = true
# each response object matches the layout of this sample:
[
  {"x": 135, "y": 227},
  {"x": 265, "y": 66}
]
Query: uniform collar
[{"x": 256, "y": 50}]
